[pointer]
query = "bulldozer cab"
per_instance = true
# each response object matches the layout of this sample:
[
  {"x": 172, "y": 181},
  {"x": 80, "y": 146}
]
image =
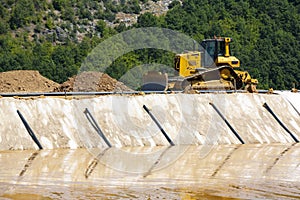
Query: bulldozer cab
[
  {"x": 217, "y": 52},
  {"x": 211, "y": 67}
]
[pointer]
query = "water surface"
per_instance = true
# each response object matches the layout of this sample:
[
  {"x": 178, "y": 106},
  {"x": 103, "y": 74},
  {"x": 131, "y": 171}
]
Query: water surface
[{"x": 251, "y": 171}]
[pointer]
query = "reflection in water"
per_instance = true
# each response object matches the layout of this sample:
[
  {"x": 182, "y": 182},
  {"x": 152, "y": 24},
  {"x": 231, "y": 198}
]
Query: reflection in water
[
  {"x": 279, "y": 156},
  {"x": 229, "y": 171},
  {"x": 94, "y": 163},
  {"x": 137, "y": 161},
  {"x": 157, "y": 161},
  {"x": 28, "y": 163},
  {"x": 225, "y": 160}
]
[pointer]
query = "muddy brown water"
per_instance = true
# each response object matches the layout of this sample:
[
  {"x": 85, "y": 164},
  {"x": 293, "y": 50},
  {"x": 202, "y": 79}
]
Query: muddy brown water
[{"x": 250, "y": 171}]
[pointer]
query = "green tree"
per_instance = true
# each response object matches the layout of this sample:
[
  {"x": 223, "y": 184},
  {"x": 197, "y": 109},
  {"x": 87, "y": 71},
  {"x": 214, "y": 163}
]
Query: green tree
[
  {"x": 120, "y": 66},
  {"x": 22, "y": 14},
  {"x": 42, "y": 59},
  {"x": 63, "y": 57},
  {"x": 147, "y": 20},
  {"x": 173, "y": 4}
]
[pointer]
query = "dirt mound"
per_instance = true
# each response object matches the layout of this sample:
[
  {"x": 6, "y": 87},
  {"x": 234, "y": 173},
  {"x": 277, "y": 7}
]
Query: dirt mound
[
  {"x": 92, "y": 82},
  {"x": 25, "y": 81}
]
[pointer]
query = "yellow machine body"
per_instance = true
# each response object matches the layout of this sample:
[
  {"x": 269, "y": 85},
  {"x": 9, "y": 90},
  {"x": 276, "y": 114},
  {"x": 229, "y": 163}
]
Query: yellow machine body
[{"x": 213, "y": 67}]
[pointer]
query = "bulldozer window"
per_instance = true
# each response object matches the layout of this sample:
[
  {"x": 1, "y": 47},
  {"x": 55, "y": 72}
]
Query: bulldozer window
[
  {"x": 209, "y": 53},
  {"x": 210, "y": 48},
  {"x": 221, "y": 49}
]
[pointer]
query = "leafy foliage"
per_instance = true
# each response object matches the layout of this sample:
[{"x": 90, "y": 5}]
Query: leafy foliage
[
  {"x": 266, "y": 34},
  {"x": 55, "y": 36}
]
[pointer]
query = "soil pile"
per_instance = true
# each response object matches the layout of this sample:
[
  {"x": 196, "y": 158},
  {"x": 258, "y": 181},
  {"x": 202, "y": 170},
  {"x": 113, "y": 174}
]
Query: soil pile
[
  {"x": 25, "y": 81},
  {"x": 92, "y": 82}
]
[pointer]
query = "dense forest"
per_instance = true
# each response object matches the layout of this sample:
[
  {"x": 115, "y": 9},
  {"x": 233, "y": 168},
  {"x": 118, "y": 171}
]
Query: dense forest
[{"x": 55, "y": 36}]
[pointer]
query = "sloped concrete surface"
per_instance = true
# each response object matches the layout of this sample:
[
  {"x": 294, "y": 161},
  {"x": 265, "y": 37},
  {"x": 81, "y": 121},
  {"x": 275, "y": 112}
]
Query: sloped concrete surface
[{"x": 186, "y": 118}]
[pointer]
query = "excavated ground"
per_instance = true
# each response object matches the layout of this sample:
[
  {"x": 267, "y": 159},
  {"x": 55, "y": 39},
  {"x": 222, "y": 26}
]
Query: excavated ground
[
  {"x": 91, "y": 81},
  {"x": 25, "y": 81},
  {"x": 32, "y": 81}
]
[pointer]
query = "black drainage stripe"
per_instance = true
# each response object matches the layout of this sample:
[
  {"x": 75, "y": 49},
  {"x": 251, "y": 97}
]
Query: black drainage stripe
[
  {"x": 265, "y": 105},
  {"x": 228, "y": 124},
  {"x": 91, "y": 119},
  {"x": 159, "y": 126},
  {"x": 29, "y": 130}
]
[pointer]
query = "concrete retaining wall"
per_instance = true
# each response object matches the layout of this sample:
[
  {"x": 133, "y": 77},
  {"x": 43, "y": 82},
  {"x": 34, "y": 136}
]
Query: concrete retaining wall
[{"x": 186, "y": 118}]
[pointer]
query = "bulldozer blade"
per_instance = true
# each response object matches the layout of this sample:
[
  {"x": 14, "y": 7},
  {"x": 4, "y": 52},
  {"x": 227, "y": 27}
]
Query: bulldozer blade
[{"x": 155, "y": 81}]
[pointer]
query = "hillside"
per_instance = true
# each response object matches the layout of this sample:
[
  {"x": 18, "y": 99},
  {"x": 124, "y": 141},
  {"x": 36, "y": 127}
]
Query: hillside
[
  {"x": 58, "y": 21},
  {"x": 55, "y": 36}
]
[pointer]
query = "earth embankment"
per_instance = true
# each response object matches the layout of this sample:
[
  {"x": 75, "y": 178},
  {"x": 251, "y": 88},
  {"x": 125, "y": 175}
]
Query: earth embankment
[{"x": 27, "y": 81}]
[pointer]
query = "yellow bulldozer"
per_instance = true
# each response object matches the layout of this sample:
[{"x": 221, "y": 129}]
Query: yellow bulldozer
[{"x": 211, "y": 68}]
